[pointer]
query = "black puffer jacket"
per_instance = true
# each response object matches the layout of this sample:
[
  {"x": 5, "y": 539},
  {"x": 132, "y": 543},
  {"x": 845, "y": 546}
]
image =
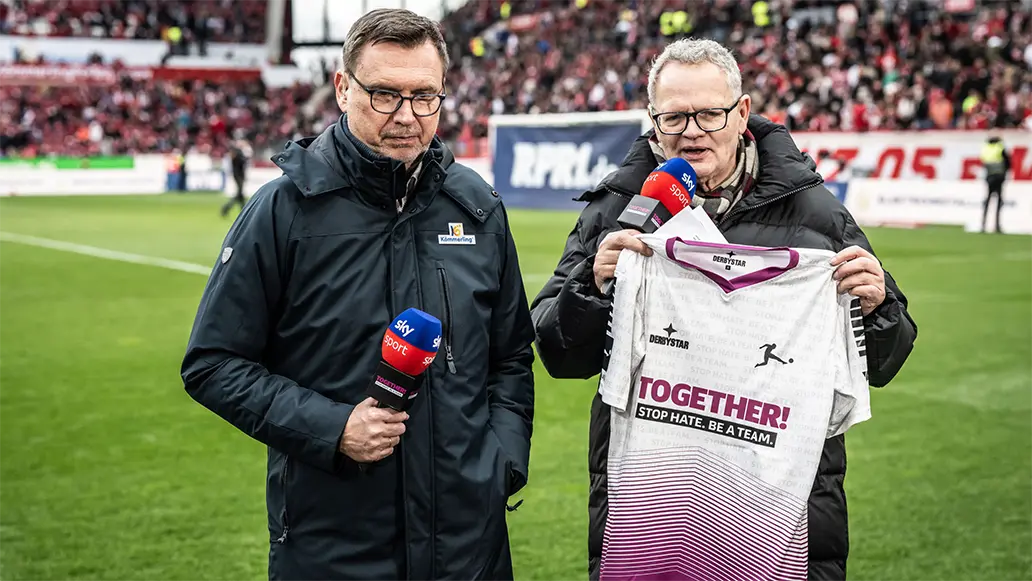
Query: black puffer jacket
[
  {"x": 788, "y": 206},
  {"x": 288, "y": 334}
]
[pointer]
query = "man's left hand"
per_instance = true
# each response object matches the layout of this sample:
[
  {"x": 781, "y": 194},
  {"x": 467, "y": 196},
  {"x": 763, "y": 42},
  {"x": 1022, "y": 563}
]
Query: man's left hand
[{"x": 860, "y": 274}]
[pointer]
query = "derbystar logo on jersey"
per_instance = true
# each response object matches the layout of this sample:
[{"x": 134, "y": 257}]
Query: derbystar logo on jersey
[
  {"x": 728, "y": 260},
  {"x": 669, "y": 340}
]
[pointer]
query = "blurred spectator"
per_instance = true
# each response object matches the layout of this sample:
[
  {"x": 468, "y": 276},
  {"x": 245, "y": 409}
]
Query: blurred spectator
[
  {"x": 199, "y": 21},
  {"x": 811, "y": 64},
  {"x": 153, "y": 117}
]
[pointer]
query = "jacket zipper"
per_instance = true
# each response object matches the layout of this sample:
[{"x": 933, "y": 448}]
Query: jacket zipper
[
  {"x": 447, "y": 319},
  {"x": 617, "y": 192},
  {"x": 770, "y": 201},
  {"x": 433, "y": 484},
  {"x": 283, "y": 488}
]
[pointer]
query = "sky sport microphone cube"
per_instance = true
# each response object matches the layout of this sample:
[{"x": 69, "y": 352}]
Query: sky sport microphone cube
[
  {"x": 409, "y": 346},
  {"x": 644, "y": 214},
  {"x": 668, "y": 190}
]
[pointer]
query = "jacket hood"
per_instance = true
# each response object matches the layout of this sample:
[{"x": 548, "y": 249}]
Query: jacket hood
[
  {"x": 783, "y": 168},
  {"x": 336, "y": 160}
]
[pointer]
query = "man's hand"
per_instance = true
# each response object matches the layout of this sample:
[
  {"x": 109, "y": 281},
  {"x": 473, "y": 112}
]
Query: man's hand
[
  {"x": 860, "y": 274},
  {"x": 371, "y": 432},
  {"x": 609, "y": 252}
]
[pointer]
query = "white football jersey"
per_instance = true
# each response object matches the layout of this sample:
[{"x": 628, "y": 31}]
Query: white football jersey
[{"x": 730, "y": 367}]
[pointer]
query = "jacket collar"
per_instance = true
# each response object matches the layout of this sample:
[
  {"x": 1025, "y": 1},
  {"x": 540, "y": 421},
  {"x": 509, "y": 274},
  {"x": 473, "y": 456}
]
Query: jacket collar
[{"x": 336, "y": 160}]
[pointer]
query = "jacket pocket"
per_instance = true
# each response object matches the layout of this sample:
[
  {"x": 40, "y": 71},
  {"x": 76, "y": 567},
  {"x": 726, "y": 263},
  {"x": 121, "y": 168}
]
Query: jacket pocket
[
  {"x": 442, "y": 276},
  {"x": 284, "y": 518}
]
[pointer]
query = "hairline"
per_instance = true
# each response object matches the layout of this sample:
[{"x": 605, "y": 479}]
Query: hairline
[
  {"x": 362, "y": 26},
  {"x": 693, "y": 52}
]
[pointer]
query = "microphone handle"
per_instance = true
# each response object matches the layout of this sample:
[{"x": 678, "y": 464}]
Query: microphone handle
[{"x": 607, "y": 287}]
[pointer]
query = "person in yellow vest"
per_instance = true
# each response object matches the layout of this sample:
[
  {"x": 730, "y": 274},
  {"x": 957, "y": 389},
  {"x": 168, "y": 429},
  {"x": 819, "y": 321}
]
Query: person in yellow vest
[
  {"x": 175, "y": 36},
  {"x": 761, "y": 14},
  {"x": 996, "y": 162}
]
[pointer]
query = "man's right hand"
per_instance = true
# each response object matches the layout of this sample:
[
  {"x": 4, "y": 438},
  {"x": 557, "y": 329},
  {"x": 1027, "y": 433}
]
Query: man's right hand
[
  {"x": 371, "y": 432},
  {"x": 609, "y": 252}
]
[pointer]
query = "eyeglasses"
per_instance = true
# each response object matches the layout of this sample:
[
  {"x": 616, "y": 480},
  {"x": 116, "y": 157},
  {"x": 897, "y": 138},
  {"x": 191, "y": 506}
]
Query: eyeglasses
[
  {"x": 387, "y": 102},
  {"x": 709, "y": 120}
]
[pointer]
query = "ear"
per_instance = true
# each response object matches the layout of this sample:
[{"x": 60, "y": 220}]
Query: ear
[
  {"x": 340, "y": 85},
  {"x": 650, "y": 112},
  {"x": 744, "y": 109}
]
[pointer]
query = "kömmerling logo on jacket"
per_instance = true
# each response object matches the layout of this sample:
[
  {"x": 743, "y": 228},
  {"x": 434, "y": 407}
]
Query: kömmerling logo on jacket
[{"x": 456, "y": 235}]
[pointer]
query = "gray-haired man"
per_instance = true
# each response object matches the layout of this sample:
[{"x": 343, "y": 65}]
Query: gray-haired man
[{"x": 760, "y": 190}]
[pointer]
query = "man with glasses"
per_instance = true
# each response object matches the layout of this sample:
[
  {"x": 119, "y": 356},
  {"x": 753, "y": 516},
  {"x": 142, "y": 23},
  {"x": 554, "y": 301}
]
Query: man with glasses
[
  {"x": 759, "y": 190},
  {"x": 370, "y": 218}
]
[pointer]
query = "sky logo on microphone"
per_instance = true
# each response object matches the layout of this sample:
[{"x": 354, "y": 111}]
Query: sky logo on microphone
[
  {"x": 402, "y": 326},
  {"x": 682, "y": 171},
  {"x": 411, "y": 341}
]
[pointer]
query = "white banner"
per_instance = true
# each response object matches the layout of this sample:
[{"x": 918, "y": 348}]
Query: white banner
[
  {"x": 131, "y": 52},
  {"x": 63, "y": 182},
  {"x": 923, "y": 155},
  {"x": 948, "y": 202},
  {"x": 146, "y": 177}
]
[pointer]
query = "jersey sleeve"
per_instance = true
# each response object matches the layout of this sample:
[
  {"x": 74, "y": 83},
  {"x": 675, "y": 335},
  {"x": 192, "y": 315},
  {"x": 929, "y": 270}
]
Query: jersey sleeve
[
  {"x": 625, "y": 333},
  {"x": 852, "y": 392}
]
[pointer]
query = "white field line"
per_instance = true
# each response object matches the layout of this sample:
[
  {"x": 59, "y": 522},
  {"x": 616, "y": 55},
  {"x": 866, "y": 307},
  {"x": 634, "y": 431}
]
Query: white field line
[
  {"x": 147, "y": 260},
  {"x": 105, "y": 253},
  {"x": 529, "y": 278}
]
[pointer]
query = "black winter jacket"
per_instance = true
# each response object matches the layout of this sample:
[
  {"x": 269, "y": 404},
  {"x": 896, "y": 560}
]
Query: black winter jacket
[
  {"x": 788, "y": 206},
  {"x": 288, "y": 335}
]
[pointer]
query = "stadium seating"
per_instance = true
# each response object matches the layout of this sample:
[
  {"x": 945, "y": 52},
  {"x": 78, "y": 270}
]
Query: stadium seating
[
  {"x": 211, "y": 20},
  {"x": 816, "y": 65},
  {"x": 149, "y": 116},
  {"x": 950, "y": 70}
]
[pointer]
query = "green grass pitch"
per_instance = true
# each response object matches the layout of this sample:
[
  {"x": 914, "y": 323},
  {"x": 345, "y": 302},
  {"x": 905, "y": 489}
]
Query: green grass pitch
[{"x": 109, "y": 471}]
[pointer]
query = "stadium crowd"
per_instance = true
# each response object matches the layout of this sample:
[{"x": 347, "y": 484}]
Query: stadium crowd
[
  {"x": 813, "y": 65},
  {"x": 152, "y": 117},
  {"x": 196, "y": 20}
]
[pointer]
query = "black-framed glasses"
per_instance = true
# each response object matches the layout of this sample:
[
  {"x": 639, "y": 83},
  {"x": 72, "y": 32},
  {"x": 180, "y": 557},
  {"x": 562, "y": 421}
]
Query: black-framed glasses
[
  {"x": 709, "y": 120},
  {"x": 387, "y": 102}
]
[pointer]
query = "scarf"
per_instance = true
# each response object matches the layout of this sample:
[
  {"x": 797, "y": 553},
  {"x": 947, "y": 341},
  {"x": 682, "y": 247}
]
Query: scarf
[{"x": 722, "y": 198}]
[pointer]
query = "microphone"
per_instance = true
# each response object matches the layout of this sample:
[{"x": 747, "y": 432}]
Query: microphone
[
  {"x": 409, "y": 346},
  {"x": 668, "y": 190}
]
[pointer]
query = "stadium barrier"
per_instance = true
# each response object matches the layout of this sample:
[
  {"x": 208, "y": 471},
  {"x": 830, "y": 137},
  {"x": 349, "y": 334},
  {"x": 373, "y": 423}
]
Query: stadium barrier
[
  {"x": 544, "y": 161},
  {"x": 884, "y": 178},
  {"x": 914, "y": 203},
  {"x": 83, "y": 176}
]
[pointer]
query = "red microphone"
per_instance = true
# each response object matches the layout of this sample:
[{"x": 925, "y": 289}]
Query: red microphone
[
  {"x": 409, "y": 346},
  {"x": 667, "y": 191}
]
